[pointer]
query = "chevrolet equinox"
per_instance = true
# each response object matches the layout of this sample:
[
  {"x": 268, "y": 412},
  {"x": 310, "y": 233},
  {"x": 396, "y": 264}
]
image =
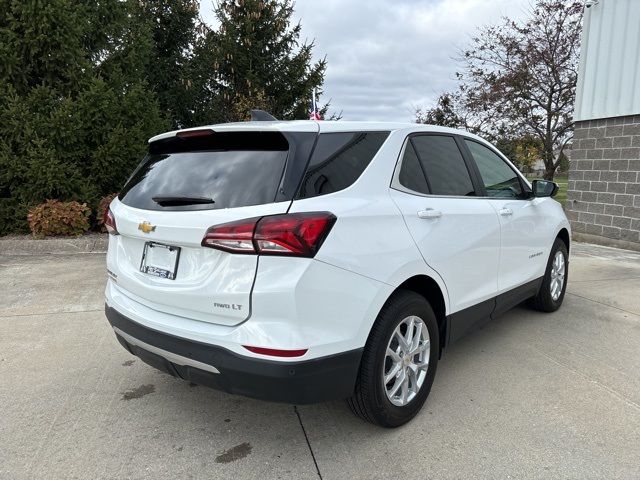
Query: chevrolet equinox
[{"x": 307, "y": 261}]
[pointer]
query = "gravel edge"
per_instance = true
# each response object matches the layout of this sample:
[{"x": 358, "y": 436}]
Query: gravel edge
[{"x": 28, "y": 245}]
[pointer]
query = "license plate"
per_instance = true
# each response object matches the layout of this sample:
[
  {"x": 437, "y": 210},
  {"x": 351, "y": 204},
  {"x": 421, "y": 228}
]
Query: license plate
[{"x": 160, "y": 260}]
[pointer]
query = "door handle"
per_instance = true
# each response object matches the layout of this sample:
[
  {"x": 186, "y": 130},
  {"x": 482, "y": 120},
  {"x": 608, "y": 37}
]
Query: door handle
[
  {"x": 429, "y": 213},
  {"x": 505, "y": 212}
]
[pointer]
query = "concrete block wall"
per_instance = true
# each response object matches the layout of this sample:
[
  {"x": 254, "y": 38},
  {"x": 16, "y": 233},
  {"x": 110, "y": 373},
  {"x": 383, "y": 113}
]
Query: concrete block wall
[{"x": 603, "y": 197}]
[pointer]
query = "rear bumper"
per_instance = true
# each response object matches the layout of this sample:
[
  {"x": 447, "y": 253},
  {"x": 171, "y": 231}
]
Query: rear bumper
[{"x": 309, "y": 381}]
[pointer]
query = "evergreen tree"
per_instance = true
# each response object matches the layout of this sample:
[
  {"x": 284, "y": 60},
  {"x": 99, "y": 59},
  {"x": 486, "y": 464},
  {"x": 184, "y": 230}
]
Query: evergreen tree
[
  {"x": 260, "y": 62},
  {"x": 75, "y": 108},
  {"x": 83, "y": 85},
  {"x": 174, "y": 27}
]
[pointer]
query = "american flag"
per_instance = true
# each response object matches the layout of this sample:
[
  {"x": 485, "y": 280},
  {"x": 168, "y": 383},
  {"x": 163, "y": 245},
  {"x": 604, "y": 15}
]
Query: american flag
[{"x": 314, "y": 114}]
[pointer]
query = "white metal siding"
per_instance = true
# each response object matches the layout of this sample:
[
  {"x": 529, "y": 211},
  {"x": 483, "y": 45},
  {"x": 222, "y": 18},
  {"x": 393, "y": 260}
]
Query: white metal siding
[{"x": 609, "y": 75}]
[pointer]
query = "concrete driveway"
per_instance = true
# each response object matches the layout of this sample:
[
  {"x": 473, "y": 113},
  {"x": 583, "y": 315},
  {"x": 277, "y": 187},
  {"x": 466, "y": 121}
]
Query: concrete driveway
[{"x": 528, "y": 396}]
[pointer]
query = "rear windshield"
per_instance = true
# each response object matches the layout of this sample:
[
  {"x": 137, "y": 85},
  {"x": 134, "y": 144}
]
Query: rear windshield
[{"x": 222, "y": 170}]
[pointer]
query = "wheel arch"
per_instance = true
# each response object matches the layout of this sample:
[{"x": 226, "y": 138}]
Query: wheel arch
[
  {"x": 563, "y": 235},
  {"x": 428, "y": 288}
]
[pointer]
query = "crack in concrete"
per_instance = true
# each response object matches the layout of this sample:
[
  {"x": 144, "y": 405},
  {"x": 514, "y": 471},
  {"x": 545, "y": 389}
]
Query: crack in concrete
[
  {"x": 609, "y": 389},
  {"x": 4, "y": 315},
  {"x": 604, "y": 304},
  {"x": 605, "y": 280},
  {"x": 315, "y": 462}
]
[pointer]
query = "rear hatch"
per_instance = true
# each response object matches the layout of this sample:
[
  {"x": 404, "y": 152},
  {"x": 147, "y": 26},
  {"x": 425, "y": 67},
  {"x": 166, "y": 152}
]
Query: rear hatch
[{"x": 187, "y": 183}]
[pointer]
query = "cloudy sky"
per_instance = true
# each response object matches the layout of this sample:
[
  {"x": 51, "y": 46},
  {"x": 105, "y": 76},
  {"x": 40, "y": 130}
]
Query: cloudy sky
[{"x": 386, "y": 57}]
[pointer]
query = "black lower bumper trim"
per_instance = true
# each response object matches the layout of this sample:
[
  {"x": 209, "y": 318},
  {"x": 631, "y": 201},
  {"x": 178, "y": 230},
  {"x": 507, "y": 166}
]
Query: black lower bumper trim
[{"x": 309, "y": 381}]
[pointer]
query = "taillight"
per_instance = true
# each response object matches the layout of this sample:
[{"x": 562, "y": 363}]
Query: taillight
[
  {"x": 293, "y": 234},
  {"x": 110, "y": 222},
  {"x": 235, "y": 237},
  {"x": 299, "y": 234}
]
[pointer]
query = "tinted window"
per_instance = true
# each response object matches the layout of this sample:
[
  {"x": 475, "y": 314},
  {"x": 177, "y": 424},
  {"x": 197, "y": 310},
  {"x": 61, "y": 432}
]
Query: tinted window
[
  {"x": 411, "y": 175},
  {"x": 498, "y": 178},
  {"x": 338, "y": 160},
  {"x": 234, "y": 170},
  {"x": 443, "y": 164}
]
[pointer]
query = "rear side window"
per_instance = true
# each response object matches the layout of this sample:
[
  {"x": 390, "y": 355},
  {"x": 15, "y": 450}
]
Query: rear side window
[
  {"x": 411, "y": 173},
  {"x": 443, "y": 165},
  {"x": 223, "y": 170},
  {"x": 338, "y": 160}
]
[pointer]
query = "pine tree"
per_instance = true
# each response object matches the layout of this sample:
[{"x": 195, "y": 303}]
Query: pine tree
[
  {"x": 83, "y": 85},
  {"x": 75, "y": 108},
  {"x": 260, "y": 62},
  {"x": 174, "y": 27}
]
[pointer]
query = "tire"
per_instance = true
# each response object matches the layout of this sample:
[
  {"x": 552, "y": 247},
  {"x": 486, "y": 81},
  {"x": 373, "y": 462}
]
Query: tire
[
  {"x": 370, "y": 401},
  {"x": 544, "y": 300}
]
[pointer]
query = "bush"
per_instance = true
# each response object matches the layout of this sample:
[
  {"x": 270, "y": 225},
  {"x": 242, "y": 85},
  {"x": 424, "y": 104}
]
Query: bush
[
  {"x": 102, "y": 210},
  {"x": 54, "y": 217}
]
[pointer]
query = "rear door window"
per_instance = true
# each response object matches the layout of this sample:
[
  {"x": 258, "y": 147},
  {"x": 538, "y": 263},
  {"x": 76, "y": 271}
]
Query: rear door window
[
  {"x": 338, "y": 160},
  {"x": 227, "y": 170},
  {"x": 443, "y": 164}
]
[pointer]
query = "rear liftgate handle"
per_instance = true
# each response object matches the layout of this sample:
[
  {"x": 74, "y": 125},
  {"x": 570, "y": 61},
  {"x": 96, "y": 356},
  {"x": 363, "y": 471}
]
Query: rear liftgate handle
[{"x": 429, "y": 213}]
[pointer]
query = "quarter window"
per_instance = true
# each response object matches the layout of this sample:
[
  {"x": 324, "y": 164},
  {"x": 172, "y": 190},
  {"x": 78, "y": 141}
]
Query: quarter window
[
  {"x": 411, "y": 173},
  {"x": 443, "y": 165},
  {"x": 338, "y": 161},
  {"x": 499, "y": 178}
]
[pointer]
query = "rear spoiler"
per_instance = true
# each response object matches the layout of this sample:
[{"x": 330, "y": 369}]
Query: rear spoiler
[{"x": 208, "y": 139}]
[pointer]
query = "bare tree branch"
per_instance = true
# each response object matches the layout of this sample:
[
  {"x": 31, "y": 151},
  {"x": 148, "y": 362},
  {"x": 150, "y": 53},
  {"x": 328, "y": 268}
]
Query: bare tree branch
[{"x": 518, "y": 79}]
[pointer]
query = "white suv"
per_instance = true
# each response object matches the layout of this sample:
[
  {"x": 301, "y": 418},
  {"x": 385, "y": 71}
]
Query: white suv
[{"x": 306, "y": 261}]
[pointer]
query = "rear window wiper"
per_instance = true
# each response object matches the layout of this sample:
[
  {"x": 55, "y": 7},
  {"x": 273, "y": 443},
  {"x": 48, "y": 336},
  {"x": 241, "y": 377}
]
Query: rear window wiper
[{"x": 173, "y": 201}]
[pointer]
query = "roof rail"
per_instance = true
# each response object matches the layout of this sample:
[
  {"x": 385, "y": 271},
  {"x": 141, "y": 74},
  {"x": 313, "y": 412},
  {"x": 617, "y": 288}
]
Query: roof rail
[{"x": 262, "y": 116}]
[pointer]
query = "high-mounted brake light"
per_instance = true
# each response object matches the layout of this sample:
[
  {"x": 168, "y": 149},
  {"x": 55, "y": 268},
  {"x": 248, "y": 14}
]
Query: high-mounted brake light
[
  {"x": 293, "y": 234},
  {"x": 274, "y": 352},
  {"x": 204, "y": 132},
  {"x": 110, "y": 222}
]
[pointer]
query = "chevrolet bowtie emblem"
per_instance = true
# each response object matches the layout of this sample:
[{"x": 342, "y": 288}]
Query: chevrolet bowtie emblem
[{"x": 146, "y": 227}]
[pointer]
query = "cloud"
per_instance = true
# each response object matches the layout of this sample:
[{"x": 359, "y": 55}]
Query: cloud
[{"x": 385, "y": 57}]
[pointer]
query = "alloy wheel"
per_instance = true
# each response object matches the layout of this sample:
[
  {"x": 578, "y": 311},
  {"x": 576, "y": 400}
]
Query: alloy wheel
[
  {"x": 406, "y": 361},
  {"x": 557, "y": 275}
]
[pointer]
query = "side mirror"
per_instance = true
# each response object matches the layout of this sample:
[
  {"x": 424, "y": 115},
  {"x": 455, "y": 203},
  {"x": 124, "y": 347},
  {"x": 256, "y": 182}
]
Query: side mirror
[{"x": 544, "y": 188}]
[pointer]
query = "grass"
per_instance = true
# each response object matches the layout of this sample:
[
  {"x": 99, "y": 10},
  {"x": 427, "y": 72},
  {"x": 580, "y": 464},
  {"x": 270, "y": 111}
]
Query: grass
[{"x": 562, "y": 181}]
